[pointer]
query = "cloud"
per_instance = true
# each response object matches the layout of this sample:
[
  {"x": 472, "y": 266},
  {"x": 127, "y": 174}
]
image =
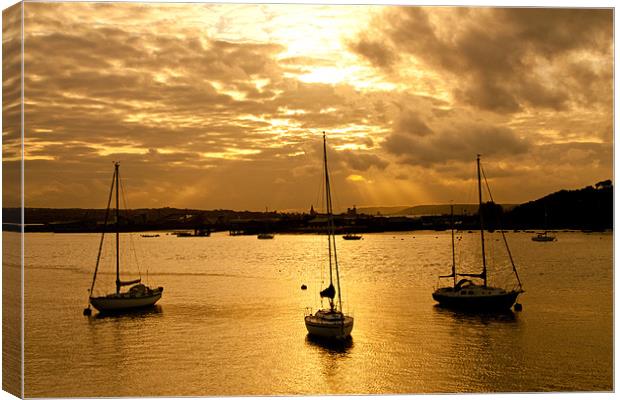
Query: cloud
[
  {"x": 362, "y": 162},
  {"x": 410, "y": 123},
  {"x": 212, "y": 106},
  {"x": 502, "y": 59},
  {"x": 379, "y": 54},
  {"x": 460, "y": 143}
]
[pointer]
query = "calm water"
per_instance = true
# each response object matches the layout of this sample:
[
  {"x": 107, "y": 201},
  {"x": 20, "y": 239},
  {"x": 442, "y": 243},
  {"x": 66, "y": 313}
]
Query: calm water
[{"x": 231, "y": 318}]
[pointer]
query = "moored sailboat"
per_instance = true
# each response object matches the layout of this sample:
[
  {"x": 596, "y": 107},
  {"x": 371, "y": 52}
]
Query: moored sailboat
[
  {"x": 330, "y": 323},
  {"x": 138, "y": 295},
  {"x": 468, "y": 295},
  {"x": 544, "y": 236}
]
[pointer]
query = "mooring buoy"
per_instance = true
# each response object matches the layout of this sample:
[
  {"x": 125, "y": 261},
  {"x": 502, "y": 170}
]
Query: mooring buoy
[
  {"x": 518, "y": 307},
  {"x": 304, "y": 287}
]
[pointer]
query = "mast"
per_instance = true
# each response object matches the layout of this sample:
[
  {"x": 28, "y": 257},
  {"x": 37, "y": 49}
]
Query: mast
[
  {"x": 514, "y": 267},
  {"x": 452, "y": 233},
  {"x": 105, "y": 224},
  {"x": 328, "y": 209},
  {"x": 331, "y": 239},
  {"x": 484, "y": 261},
  {"x": 118, "y": 279}
]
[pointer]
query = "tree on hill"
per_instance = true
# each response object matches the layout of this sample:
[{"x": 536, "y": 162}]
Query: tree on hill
[{"x": 588, "y": 208}]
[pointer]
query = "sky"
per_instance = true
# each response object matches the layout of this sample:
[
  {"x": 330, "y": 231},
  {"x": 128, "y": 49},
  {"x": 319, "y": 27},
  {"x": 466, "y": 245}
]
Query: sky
[{"x": 222, "y": 106}]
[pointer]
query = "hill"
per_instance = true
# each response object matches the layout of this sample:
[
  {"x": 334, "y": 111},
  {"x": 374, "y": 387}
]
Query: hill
[{"x": 589, "y": 208}]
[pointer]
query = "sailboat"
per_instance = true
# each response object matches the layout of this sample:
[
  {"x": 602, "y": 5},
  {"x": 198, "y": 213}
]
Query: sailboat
[
  {"x": 138, "y": 295},
  {"x": 330, "y": 323},
  {"x": 468, "y": 295},
  {"x": 544, "y": 236}
]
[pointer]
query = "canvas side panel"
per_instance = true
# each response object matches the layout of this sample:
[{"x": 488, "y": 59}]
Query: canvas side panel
[{"x": 12, "y": 200}]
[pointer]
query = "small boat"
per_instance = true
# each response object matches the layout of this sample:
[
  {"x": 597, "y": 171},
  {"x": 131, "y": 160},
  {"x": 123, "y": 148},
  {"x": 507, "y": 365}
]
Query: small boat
[
  {"x": 149, "y": 236},
  {"x": 138, "y": 295},
  {"x": 351, "y": 236},
  {"x": 265, "y": 236},
  {"x": 198, "y": 232},
  {"x": 543, "y": 237},
  {"x": 468, "y": 295},
  {"x": 330, "y": 323}
]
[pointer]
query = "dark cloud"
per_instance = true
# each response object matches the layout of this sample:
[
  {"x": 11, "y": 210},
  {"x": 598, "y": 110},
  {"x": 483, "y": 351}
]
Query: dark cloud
[
  {"x": 498, "y": 55},
  {"x": 359, "y": 161},
  {"x": 410, "y": 123},
  {"x": 459, "y": 143},
  {"x": 378, "y": 53}
]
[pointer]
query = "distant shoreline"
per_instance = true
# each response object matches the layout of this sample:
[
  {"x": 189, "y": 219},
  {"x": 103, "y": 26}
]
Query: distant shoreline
[{"x": 587, "y": 209}]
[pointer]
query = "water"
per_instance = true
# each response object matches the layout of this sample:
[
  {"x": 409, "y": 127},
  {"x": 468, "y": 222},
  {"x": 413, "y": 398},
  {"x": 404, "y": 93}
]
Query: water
[{"x": 231, "y": 318}]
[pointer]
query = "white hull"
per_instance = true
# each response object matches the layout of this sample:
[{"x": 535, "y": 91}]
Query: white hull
[
  {"x": 123, "y": 301},
  {"x": 322, "y": 326}
]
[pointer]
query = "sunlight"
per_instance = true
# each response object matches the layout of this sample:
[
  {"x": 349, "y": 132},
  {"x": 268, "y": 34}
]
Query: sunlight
[
  {"x": 231, "y": 153},
  {"x": 356, "y": 178},
  {"x": 326, "y": 75},
  {"x": 125, "y": 149},
  {"x": 350, "y": 146}
]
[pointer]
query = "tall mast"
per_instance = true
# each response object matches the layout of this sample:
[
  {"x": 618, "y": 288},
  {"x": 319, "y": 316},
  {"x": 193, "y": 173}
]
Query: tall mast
[
  {"x": 330, "y": 234},
  {"x": 452, "y": 232},
  {"x": 105, "y": 226},
  {"x": 484, "y": 261},
  {"x": 328, "y": 208},
  {"x": 118, "y": 279}
]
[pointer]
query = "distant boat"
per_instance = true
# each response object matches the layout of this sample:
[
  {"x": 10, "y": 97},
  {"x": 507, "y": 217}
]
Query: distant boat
[
  {"x": 351, "y": 236},
  {"x": 198, "y": 232},
  {"x": 149, "y": 236},
  {"x": 265, "y": 236},
  {"x": 467, "y": 295},
  {"x": 330, "y": 323},
  {"x": 544, "y": 237},
  {"x": 138, "y": 295}
]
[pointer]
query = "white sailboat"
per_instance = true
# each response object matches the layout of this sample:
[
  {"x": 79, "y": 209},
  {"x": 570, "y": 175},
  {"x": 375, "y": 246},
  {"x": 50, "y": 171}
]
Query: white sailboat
[
  {"x": 138, "y": 295},
  {"x": 467, "y": 295},
  {"x": 330, "y": 323}
]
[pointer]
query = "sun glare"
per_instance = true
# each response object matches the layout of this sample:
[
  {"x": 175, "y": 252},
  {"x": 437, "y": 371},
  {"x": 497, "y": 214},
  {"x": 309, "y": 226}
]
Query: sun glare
[{"x": 231, "y": 153}]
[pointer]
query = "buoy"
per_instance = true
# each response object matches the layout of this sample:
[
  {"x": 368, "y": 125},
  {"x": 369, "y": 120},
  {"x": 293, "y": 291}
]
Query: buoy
[
  {"x": 87, "y": 311},
  {"x": 304, "y": 287},
  {"x": 518, "y": 307}
]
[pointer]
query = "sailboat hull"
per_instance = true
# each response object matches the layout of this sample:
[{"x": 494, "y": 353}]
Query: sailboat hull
[
  {"x": 492, "y": 301},
  {"x": 329, "y": 327},
  {"x": 541, "y": 238},
  {"x": 123, "y": 301}
]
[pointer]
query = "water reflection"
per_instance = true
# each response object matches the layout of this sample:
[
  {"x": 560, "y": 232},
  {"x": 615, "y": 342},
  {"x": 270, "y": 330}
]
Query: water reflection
[
  {"x": 331, "y": 346},
  {"x": 484, "y": 318}
]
